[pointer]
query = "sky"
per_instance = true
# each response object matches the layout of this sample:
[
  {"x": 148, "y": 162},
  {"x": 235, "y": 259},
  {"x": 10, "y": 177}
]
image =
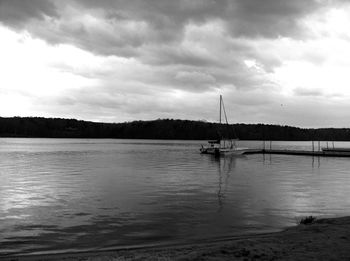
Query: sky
[{"x": 274, "y": 61}]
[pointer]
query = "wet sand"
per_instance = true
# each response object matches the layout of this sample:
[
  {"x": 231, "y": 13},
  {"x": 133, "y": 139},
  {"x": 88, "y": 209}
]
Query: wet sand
[{"x": 325, "y": 239}]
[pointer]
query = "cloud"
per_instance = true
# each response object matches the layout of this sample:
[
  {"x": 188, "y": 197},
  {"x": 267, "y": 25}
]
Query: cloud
[
  {"x": 18, "y": 13},
  {"x": 250, "y": 18},
  {"x": 122, "y": 27},
  {"x": 145, "y": 59},
  {"x": 270, "y": 19},
  {"x": 196, "y": 79},
  {"x": 307, "y": 92}
]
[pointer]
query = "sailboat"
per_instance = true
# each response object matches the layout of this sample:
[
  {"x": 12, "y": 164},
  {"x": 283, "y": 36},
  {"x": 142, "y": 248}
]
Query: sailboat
[{"x": 223, "y": 146}]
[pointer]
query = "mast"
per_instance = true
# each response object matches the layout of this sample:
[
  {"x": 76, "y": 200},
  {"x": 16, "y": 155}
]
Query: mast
[
  {"x": 220, "y": 108},
  {"x": 223, "y": 107}
]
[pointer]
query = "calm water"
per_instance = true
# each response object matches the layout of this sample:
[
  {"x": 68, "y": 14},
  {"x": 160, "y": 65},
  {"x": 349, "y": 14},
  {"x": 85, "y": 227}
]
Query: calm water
[{"x": 59, "y": 195}]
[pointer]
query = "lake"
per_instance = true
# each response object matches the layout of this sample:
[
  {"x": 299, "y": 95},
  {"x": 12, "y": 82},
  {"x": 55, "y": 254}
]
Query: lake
[{"x": 66, "y": 195}]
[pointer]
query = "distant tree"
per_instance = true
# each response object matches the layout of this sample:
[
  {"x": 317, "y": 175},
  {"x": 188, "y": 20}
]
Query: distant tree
[{"x": 160, "y": 129}]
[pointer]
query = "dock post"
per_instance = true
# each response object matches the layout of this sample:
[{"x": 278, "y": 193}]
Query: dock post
[
  {"x": 270, "y": 144},
  {"x": 333, "y": 144},
  {"x": 313, "y": 147},
  {"x": 327, "y": 144},
  {"x": 319, "y": 148},
  {"x": 264, "y": 145}
]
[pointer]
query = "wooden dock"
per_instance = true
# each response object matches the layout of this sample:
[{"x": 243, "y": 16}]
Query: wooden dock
[{"x": 321, "y": 153}]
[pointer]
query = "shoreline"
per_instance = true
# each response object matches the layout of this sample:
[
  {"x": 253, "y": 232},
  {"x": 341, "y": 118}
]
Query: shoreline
[{"x": 325, "y": 239}]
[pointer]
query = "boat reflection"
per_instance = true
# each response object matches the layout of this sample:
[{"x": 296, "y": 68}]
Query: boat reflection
[
  {"x": 318, "y": 162},
  {"x": 225, "y": 166}
]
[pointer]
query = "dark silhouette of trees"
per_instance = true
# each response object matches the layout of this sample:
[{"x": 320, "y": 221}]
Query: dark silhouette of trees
[{"x": 160, "y": 129}]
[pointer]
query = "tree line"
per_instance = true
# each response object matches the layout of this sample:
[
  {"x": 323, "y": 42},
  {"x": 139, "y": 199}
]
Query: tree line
[{"x": 161, "y": 129}]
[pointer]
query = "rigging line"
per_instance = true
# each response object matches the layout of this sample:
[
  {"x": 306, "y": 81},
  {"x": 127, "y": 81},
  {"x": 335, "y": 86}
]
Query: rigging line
[
  {"x": 219, "y": 132},
  {"x": 223, "y": 106}
]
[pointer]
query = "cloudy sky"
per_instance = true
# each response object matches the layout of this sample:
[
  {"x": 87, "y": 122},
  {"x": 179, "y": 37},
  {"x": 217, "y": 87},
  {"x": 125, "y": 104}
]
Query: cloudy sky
[{"x": 274, "y": 61}]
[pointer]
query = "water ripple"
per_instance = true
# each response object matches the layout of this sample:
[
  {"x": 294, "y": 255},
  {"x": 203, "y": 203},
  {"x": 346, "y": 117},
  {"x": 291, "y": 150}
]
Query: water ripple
[{"x": 61, "y": 195}]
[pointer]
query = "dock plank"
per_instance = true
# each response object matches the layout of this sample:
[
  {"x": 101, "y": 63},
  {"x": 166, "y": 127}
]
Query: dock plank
[{"x": 326, "y": 153}]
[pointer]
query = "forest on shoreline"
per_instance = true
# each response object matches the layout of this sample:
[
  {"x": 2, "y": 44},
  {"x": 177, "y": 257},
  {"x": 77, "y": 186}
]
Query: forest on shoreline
[{"x": 38, "y": 127}]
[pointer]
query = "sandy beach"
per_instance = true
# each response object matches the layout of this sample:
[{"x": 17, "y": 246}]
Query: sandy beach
[{"x": 325, "y": 239}]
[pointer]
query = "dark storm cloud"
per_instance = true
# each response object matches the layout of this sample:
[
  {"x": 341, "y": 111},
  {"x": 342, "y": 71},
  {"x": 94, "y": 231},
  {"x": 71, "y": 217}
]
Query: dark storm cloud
[
  {"x": 154, "y": 31},
  {"x": 162, "y": 14},
  {"x": 269, "y": 18},
  {"x": 18, "y": 12},
  {"x": 126, "y": 26}
]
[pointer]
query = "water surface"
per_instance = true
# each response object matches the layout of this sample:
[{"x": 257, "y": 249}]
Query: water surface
[{"x": 60, "y": 195}]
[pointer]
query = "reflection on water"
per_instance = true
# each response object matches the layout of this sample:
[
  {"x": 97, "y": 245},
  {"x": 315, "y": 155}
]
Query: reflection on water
[
  {"x": 318, "y": 162},
  {"x": 60, "y": 195},
  {"x": 225, "y": 166}
]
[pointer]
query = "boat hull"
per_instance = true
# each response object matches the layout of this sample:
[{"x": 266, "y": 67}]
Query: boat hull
[{"x": 223, "y": 151}]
